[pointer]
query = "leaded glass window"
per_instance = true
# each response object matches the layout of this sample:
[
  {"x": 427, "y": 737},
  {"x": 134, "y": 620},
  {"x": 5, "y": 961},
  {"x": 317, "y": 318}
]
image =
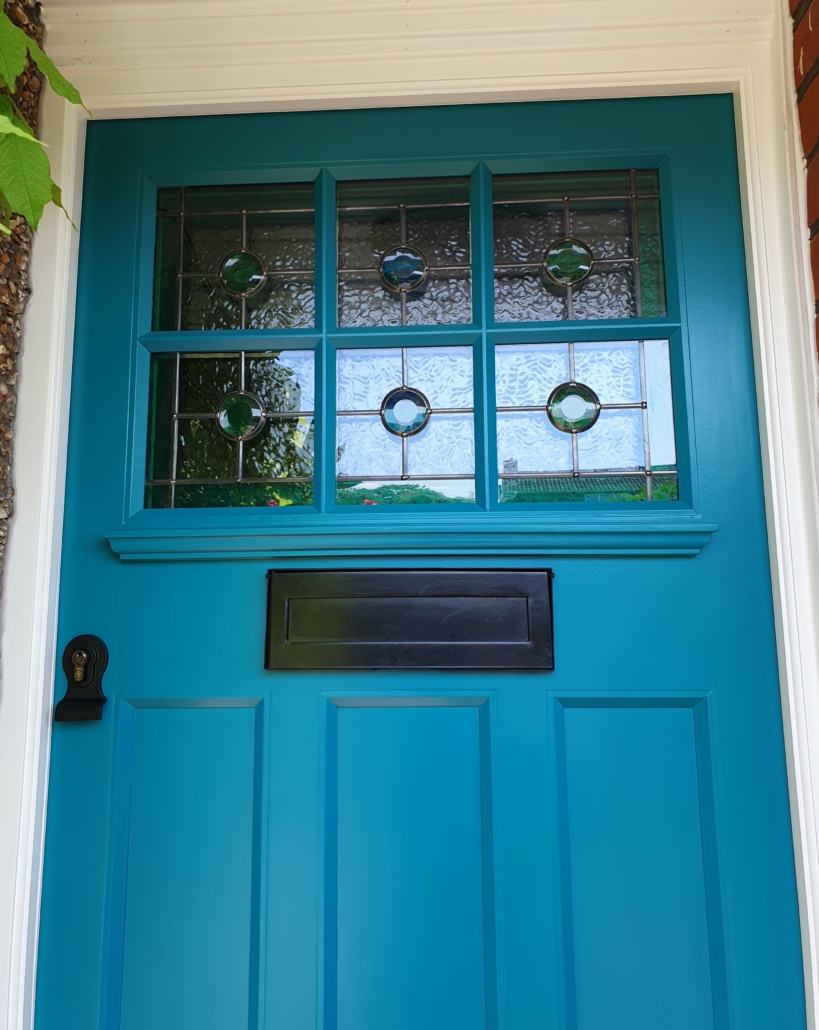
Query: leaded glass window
[
  {"x": 585, "y": 422},
  {"x": 403, "y": 253},
  {"x": 448, "y": 344},
  {"x": 235, "y": 257},
  {"x": 405, "y": 426},
  {"x": 231, "y": 429},
  {"x": 579, "y": 246}
]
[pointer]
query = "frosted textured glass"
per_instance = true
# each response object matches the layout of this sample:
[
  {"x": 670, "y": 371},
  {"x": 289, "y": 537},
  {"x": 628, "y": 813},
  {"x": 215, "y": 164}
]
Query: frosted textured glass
[
  {"x": 528, "y": 442},
  {"x": 615, "y": 441},
  {"x": 365, "y": 448},
  {"x": 283, "y": 243},
  {"x": 363, "y": 301},
  {"x": 443, "y": 241},
  {"x": 522, "y": 236},
  {"x": 282, "y": 303},
  {"x": 442, "y": 374},
  {"x": 526, "y": 374},
  {"x": 445, "y": 447},
  {"x": 205, "y": 305},
  {"x": 607, "y": 293},
  {"x": 284, "y": 448},
  {"x": 525, "y": 298},
  {"x": 208, "y": 241},
  {"x": 660, "y": 408},
  {"x": 363, "y": 377},
  {"x": 606, "y": 232},
  {"x": 612, "y": 370}
]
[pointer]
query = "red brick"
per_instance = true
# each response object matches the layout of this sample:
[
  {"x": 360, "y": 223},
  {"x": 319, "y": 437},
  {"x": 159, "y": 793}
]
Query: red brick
[
  {"x": 809, "y": 117},
  {"x": 806, "y": 43}
]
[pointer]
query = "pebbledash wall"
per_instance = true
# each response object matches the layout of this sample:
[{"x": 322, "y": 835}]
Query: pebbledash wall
[{"x": 149, "y": 58}]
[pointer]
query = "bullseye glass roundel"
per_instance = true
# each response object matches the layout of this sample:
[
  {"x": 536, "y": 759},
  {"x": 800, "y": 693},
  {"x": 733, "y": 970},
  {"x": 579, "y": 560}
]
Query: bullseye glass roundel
[
  {"x": 242, "y": 273},
  {"x": 240, "y": 415},
  {"x": 403, "y": 269},
  {"x": 404, "y": 412},
  {"x": 567, "y": 262},
  {"x": 573, "y": 408}
]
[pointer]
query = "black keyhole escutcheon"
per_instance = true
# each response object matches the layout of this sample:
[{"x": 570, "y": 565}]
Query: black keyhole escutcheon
[{"x": 85, "y": 660}]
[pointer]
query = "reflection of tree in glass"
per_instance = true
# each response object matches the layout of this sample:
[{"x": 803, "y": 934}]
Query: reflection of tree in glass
[
  {"x": 608, "y": 489},
  {"x": 354, "y": 492}
]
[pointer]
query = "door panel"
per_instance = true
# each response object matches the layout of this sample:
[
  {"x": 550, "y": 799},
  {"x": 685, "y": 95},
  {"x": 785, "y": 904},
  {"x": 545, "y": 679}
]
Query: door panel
[{"x": 605, "y": 846}]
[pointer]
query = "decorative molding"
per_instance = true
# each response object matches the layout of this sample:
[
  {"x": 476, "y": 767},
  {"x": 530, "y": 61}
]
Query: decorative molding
[
  {"x": 411, "y": 535},
  {"x": 206, "y": 56}
]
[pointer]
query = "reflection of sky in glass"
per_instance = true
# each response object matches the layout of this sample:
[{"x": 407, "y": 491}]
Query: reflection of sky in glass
[
  {"x": 364, "y": 376},
  {"x": 612, "y": 370},
  {"x": 660, "y": 408},
  {"x": 525, "y": 375},
  {"x": 442, "y": 374},
  {"x": 365, "y": 448},
  {"x": 615, "y": 441},
  {"x": 446, "y": 447}
]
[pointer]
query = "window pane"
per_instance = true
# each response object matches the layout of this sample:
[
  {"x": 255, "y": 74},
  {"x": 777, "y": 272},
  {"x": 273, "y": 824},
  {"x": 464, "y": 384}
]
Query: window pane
[
  {"x": 231, "y": 430},
  {"x": 235, "y": 257},
  {"x": 585, "y": 422},
  {"x": 404, "y": 253},
  {"x": 405, "y": 426},
  {"x": 614, "y": 266}
]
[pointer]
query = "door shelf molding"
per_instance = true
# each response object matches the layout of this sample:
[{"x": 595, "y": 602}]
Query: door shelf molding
[{"x": 662, "y": 534}]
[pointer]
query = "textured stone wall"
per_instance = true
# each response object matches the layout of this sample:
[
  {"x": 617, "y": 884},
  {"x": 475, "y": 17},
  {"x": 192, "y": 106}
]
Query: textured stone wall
[{"x": 14, "y": 281}]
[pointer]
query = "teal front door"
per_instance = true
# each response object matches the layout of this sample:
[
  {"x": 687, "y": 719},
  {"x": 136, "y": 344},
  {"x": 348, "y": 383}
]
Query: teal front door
[{"x": 421, "y": 343}]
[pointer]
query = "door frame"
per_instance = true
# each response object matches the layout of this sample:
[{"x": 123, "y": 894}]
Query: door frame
[{"x": 754, "y": 66}]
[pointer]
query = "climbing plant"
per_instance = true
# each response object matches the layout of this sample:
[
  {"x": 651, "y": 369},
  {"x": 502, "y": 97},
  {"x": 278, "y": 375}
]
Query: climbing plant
[{"x": 26, "y": 185}]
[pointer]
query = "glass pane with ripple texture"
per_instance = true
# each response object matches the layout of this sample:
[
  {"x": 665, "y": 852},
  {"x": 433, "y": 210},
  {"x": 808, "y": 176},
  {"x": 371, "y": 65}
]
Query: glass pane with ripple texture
[
  {"x": 606, "y": 230},
  {"x": 526, "y": 374},
  {"x": 203, "y": 382},
  {"x": 446, "y": 447},
  {"x": 442, "y": 374},
  {"x": 615, "y": 441},
  {"x": 525, "y": 298},
  {"x": 279, "y": 226},
  {"x": 607, "y": 293},
  {"x": 363, "y": 377},
  {"x": 612, "y": 370},
  {"x": 365, "y": 448},
  {"x": 370, "y": 223},
  {"x": 528, "y": 442}
]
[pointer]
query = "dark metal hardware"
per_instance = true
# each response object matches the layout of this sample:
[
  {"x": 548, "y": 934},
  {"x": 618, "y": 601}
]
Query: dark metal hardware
[
  {"x": 85, "y": 660},
  {"x": 410, "y": 619}
]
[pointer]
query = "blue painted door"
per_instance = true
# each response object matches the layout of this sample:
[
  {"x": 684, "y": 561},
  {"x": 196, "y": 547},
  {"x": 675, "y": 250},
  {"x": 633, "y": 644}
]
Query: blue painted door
[{"x": 602, "y": 847}]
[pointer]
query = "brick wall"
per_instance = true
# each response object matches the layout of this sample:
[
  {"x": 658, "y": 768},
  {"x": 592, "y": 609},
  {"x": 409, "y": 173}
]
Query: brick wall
[{"x": 805, "y": 15}]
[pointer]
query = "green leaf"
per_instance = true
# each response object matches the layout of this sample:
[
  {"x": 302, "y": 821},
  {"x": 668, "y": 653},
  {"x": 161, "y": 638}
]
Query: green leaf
[
  {"x": 25, "y": 177},
  {"x": 8, "y": 126},
  {"x": 58, "y": 82},
  {"x": 57, "y": 198},
  {"x": 13, "y": 46}
]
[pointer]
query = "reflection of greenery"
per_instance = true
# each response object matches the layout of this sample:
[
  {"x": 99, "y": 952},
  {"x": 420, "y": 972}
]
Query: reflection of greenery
[
  {"x": 606, "y": 489},
  {"x": 394, "y": 493},
  {"x": 283, "y": 448}
]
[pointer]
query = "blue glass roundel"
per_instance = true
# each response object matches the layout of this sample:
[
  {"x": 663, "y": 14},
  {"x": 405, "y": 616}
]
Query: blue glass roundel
[
  {"x": 403, "y": 269},
  {"x": 404, "y": 412},
  {"x": 240, "y": 415}
]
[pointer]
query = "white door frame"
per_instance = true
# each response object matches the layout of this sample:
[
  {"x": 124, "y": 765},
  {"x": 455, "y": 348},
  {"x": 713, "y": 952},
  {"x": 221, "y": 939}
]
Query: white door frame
[{"x": 588, "y": 48}]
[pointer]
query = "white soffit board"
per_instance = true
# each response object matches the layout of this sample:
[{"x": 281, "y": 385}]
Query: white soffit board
[{"x": 176, "y": 56}]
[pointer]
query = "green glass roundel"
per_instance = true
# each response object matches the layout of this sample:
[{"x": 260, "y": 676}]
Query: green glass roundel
[
  {"x": 240, "y": 415},
  {"x": 567, "y": 262},
  {"x": 403, "y": 269},
  {"x": 404, "y": 412},
  {"x": 573, "y": 408},
  {"x": 242, "y": 273}
]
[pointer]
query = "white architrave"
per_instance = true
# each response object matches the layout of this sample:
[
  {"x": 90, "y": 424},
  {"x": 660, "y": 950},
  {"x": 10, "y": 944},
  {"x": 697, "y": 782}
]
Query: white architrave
[{"x": 136, "y": 58}]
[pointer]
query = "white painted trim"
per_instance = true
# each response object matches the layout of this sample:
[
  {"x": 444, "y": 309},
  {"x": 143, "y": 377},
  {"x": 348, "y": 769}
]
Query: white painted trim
[
  {"x": 32, "y": 570},
  {"x": 159, "y": 57}
]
